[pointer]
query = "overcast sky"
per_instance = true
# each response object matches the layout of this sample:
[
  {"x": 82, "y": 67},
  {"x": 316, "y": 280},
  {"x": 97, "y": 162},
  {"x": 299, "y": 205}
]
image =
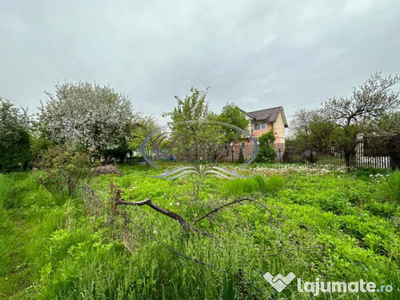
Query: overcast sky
[{"x": 257, "y": 54}]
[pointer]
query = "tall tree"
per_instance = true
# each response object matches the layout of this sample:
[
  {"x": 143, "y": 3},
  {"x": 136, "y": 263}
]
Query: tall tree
[
  {"x": 141, "y": 129},
  {"x": 191, "y": 110},
  {"x": 87, "y": 114},
  {"x": 360, "y": 112},
  {"x": 311, "y": 130},
  {"x": 14, "y": 137},
  {"x": 196, "y": 130},
  {"x": 231, "y": 114},
  {"x": 193, "y": 107}
]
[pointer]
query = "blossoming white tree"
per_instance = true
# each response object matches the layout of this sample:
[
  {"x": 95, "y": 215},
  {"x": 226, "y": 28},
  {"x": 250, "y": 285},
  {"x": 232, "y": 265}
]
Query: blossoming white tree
[{"x": 87, "y": 114}]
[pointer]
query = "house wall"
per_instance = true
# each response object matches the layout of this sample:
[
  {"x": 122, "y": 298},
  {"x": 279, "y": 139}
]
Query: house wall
[
  {"x": 258, "y": 133},
  {"x": 279, "y": 128},
  {"x": 247, "y": 150},
  {"x": 250, "y": 125}
]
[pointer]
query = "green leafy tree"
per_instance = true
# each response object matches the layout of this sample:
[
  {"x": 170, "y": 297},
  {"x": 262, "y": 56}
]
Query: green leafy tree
[
  {"x": 136, "y": 132},
  {"x": 140, "y": 130},
  {"x": 191, "y": 110},
  {"x": 15, "y": 143},
  {"x": 193, "y": 107},
  {"x": 388, "y": 138},
  {"x": 266, "y": 152},
  {"x": 231, "y": 114},
  {"x": 311, "y": 131}
]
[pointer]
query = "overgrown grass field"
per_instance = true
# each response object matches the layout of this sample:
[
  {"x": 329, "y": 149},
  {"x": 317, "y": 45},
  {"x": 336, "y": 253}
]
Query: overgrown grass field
[{"x": 316, "y": 222}]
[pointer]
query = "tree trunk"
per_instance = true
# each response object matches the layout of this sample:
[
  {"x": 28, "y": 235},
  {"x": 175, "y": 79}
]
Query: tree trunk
[
  {"x": 349, "y": 158},
  {"x": 395, "y": 163}
]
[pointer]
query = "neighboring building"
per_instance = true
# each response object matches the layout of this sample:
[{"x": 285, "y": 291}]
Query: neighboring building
[{"x": 262, "y": 121}]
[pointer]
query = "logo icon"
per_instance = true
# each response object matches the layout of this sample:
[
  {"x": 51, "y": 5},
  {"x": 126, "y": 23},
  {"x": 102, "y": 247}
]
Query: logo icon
[{"x": 279, "y": 282}]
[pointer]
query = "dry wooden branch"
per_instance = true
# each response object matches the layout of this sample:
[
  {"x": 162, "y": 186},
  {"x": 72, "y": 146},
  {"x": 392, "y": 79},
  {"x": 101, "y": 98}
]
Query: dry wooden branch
[
  {"x": 231, "y": 203},
  {"x": 164, "y": 211}
]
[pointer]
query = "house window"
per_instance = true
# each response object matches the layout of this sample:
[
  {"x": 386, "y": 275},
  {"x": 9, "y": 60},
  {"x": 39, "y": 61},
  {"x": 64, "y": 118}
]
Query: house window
[
  {"x": 263, "y": 125},
  {"x": 257, "y": 126},
  {"x": 243, "y": 145}
]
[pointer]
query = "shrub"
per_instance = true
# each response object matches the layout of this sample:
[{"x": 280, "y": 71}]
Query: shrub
[
  {"x": 266, "y": 152},
  {"x": 64, "y": 170}
]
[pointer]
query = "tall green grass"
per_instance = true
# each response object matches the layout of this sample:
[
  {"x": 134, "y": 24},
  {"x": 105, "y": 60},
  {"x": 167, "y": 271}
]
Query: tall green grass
[
  {"x": 254, "y": 185},
  {"x": 391, "y": 188},
  {"x": 332, "y": 228}
]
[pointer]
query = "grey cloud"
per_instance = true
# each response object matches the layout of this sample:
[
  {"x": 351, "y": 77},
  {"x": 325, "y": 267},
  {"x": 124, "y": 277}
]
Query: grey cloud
[{"x": 254, "y": 53}]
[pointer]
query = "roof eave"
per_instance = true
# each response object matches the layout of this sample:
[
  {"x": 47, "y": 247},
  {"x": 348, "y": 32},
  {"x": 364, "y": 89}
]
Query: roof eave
[
  {"x": 284, "y": 118},
  {"x": 247, "y": 114}
]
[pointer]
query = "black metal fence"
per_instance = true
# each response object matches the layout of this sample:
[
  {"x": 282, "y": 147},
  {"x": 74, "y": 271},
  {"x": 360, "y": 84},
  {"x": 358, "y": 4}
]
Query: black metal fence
[
  {"x": 311, "y": 156},
  {"x": 367, "y": 154}
]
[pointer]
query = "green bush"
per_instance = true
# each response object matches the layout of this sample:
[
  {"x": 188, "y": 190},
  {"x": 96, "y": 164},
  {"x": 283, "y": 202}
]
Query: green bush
[
  {"x": 64, "y": 170},
  {"x": 266, "y": 152}
]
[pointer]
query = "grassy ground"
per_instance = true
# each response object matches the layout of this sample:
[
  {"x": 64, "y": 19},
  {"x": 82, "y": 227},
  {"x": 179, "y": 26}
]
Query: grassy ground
[{"x": 320, "y": 223}]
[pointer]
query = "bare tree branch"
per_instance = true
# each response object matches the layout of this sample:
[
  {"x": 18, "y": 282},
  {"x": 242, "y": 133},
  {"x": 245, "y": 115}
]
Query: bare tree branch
[
  {"x": 164, "y": 211},
  {"x": 231, "y": 203}
]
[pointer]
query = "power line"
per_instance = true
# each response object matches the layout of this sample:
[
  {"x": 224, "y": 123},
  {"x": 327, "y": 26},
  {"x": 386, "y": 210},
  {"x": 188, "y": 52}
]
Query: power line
[{"x": 304, "y": 104}]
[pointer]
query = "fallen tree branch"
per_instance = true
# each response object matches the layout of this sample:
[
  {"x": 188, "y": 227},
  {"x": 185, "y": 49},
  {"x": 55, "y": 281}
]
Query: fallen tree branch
[
  {"x": 231, "y": 203},
  {"x": 164, "y": 211}
]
